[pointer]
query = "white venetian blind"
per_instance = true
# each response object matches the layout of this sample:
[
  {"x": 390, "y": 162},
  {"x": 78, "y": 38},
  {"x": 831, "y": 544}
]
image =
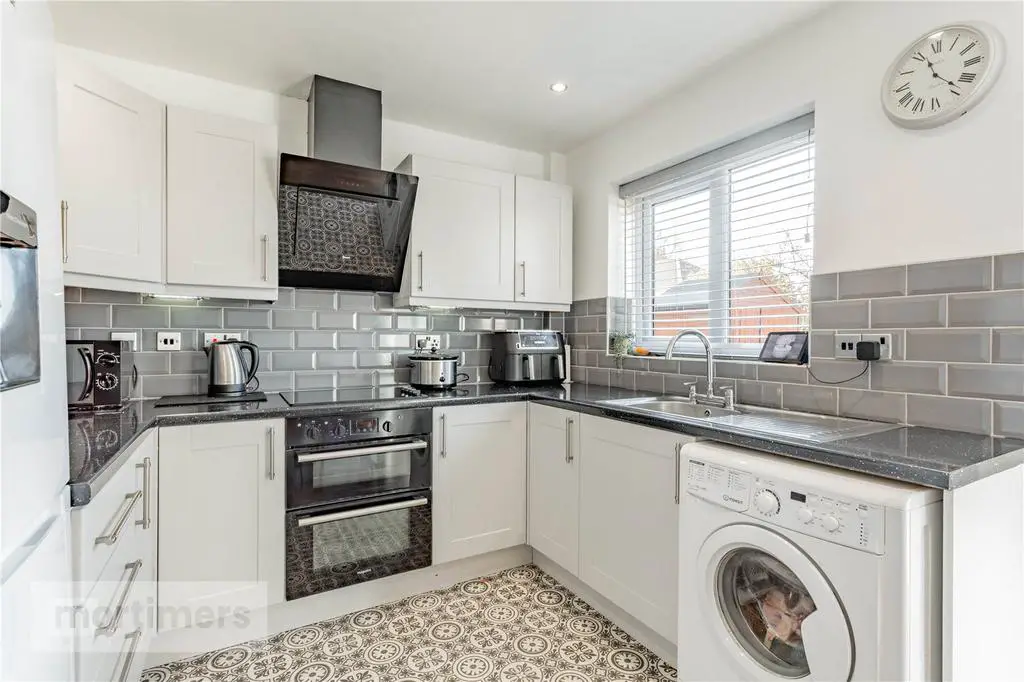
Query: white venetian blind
[{"x": 723, "y": 243}]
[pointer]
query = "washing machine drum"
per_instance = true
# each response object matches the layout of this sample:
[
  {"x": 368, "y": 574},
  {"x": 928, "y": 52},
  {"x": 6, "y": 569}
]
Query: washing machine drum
[{"x": 772, "y": 607}]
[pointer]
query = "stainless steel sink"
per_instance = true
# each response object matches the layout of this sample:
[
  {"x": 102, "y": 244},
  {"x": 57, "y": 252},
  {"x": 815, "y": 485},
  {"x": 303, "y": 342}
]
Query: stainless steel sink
[
  {"x": 761, "y": 420},
  {"x": 680, "y": 407}
]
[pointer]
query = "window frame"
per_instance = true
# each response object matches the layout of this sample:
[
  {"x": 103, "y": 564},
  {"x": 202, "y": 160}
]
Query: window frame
[{"x": 720, "y": 190}]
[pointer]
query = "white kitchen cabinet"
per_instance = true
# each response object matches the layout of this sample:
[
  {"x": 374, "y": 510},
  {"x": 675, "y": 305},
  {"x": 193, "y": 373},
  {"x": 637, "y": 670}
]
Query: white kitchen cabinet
[
  {"x": 221, "y": 201},
  {"x": 479, "y": 458},
  {"x": 114, "y": 553},
  {"x": 543, "y": 242},
  {"x": 463, "y": 232},
  {"x": 554, "y": 485},
  {"x": 222, "y": 507},
  {"x": 111, "y": 162},
  {"x": 472, "y": 231},
  {"x": 629, "y": 518}
]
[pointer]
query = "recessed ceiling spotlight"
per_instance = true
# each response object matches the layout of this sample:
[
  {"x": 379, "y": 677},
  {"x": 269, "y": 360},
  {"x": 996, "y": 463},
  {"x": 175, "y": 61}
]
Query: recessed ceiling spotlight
[{"x": 559, "y": 87}]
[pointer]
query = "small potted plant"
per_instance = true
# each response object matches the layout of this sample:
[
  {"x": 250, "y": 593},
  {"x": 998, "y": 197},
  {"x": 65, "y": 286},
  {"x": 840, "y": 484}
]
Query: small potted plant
[{"x": 620, "y": 344}]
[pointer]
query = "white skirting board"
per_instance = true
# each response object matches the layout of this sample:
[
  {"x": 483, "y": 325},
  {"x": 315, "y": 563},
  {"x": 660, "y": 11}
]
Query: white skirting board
[
  {"x": 983, "y": 579},
  {"x": 665, "y": 649},
  {"x": 175, "y": 645}
]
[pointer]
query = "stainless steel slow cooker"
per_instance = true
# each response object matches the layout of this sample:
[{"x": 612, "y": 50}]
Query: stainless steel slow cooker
[{"x": 435, "y": 370}]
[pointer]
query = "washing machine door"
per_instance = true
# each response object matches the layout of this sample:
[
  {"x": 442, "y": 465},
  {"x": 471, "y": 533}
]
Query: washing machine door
[{"x": 772, "y": 608}]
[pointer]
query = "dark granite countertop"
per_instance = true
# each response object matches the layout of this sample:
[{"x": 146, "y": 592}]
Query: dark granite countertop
[{"x": 101, "y": 442}]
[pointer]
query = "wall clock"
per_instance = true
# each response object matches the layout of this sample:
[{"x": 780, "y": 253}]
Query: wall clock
[{"x": 942, "y": 75}]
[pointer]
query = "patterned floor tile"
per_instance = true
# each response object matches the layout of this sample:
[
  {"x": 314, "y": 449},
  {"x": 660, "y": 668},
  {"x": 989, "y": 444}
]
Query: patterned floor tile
[{"x": 512, "y": 626}]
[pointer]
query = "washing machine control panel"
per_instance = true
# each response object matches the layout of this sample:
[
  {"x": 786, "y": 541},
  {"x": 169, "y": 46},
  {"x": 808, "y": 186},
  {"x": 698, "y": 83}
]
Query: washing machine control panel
[{"x": 844, "y": 521}]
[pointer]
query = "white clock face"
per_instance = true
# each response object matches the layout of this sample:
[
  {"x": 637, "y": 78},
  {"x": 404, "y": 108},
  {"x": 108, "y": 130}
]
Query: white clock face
[{"x": 940, "y": 76}]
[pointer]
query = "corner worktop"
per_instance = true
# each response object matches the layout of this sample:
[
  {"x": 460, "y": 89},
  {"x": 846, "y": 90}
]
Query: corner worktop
[{"x": 100, "y": 442}]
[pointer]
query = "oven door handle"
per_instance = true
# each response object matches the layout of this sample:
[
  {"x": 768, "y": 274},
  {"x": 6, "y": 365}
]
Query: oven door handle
[
  {"x": 367, "y": 511},
  {"x": 359, "y": 452}
]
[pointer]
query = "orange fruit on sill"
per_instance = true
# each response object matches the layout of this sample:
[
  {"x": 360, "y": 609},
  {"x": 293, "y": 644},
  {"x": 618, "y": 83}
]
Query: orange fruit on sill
[{"x": 640, "y": 350}]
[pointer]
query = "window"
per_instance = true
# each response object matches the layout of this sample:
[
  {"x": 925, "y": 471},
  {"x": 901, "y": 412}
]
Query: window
[{"x": 723, "y": 243}]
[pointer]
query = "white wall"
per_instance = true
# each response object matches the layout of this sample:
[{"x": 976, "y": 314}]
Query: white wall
[
  {"x": 398, "y": 139},
  {"x": 884, "y": 195}
]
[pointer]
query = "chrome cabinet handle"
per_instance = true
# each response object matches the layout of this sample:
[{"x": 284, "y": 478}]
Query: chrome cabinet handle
[
  {"x": 356, "y": 513},
  {"x": 64, "y": 230},
  {"x": 265, "y": 239},
  {"x": 420, "y": 256},
  {"x": 271, "y": 433},
  {"x": 568, "y": 440},
  {"x": 129, "y": 503},
  {"x": 359, "y": 452},
  {"x": 444, "y": 436},
  {"x": 523, "y": 266},
  {"x": 127, "y": 668},
  {"x": 115, "y": 620},
  {"x": 679, "y": 457},
  {"x": 147, "y": 487}
]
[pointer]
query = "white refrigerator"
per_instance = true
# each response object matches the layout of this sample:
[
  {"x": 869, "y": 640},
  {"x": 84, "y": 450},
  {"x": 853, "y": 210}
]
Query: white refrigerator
[{"x": 35, "y": 573}]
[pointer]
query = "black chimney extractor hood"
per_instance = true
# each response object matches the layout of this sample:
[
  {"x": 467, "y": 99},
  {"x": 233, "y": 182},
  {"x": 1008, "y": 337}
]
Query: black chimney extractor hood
[{"x": 343, "y": 223}]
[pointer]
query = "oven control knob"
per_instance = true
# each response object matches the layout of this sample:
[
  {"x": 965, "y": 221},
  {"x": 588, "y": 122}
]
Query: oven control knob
[
  {"x": 313, "y": 432},
  {"x": 337, "y": 430},
  {"x": 386, "y": 426},
  {"x": 830, "y": 523},
  {"x": 767, "y": 502}
]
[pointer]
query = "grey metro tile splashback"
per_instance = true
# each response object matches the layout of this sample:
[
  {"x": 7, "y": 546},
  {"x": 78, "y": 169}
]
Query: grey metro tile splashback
[{"x": 308, "y": 338}]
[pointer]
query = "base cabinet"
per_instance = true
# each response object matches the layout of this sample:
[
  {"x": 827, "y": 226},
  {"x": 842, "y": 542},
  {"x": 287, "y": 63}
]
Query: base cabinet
[
  {"x": 629, "y": 518},
  {"x": 222, "y": 509},
  {"x": 554, "y": 485},
  {"x": 479, "y": 460}
]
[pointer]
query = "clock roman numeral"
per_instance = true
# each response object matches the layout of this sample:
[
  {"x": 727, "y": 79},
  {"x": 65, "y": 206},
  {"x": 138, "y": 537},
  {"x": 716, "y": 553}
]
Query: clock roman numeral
[
  {"x": 954, "y": 42},
  {"x": 937, "y": 46},
  {"x": 968, "y": 48},
  {"x": 919, "y": 57},
  {"x": 905, "y": 86},
  {"x": 967, "y": 77},
  {"x": 972, "y": 61},
  {"x": 919, "y": 105},
  {"x": 954, "y": 91},
  {"x": 936, "y": 104},
  {"x": 906, "y": 98},
  {"x": 906, "y": 73}
]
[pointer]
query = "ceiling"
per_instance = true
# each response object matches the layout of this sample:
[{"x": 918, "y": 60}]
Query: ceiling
[{"x": 478, "y": 69}]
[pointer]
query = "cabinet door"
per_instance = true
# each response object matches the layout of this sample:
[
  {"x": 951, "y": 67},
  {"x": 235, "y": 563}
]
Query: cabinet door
[
  {"x": 463, "y": 232},
  {"x": 629, "y": 518},
  {"x": 479, "y": 479},
  {"x": 110, "y": 165},
  {"x": 554, "y": 485},
  {"x": 222, "y": 506},
  {"x": 221, "y": 200},
  {"x": 543, "y": 241}
]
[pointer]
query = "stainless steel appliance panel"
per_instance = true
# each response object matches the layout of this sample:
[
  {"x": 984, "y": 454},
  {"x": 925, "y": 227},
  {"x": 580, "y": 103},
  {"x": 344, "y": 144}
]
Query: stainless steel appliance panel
[{"x": 19, "y": 294}]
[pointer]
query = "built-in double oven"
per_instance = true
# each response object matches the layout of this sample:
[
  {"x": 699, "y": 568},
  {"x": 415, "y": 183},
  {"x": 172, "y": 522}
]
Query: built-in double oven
[{"x": 359, "y": 498}]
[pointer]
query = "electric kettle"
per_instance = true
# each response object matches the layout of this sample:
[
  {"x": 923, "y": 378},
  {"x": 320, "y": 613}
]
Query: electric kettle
[{"x": 228, "y": 372}]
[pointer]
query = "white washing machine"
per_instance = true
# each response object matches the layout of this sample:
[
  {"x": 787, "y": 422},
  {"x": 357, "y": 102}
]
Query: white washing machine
[{"x": 791, "y": 570}]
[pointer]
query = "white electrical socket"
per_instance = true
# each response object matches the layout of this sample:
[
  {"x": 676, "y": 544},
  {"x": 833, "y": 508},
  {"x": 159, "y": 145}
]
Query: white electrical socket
[
  {"x": 884, "y": 344},
  {"x": 131, "y": 337},
  {"x": 846, "y": 346},
  {"x": 168, "y": 340},
  {"x": 210, "y": 337},
  {"x": 428, "y": 341}
]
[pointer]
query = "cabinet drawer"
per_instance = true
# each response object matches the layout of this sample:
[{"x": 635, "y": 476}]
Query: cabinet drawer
[
  {"x": 119, "y": 603},
  {"x": 125, "y": 501}
]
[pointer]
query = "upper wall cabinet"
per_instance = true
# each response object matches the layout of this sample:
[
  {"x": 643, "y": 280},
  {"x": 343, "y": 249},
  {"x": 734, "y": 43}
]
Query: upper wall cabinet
[
  {"x": 543, "y": 242},
  {"x": 221, "y": 201},
  {"x": 476, "y": 233},
  {"x": 163, "y": 200},
  {"x": 111, "y": 165}
]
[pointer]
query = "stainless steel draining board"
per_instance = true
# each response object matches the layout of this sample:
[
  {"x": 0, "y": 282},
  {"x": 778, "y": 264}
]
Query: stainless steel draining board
[{"x": 803, "y": 427}]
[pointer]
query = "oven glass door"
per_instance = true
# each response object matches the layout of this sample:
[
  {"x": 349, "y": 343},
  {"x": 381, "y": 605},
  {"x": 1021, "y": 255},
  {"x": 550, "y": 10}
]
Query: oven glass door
[
  {"x": 356, "y": 471},
  {"x": 342, "y": 545}
]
